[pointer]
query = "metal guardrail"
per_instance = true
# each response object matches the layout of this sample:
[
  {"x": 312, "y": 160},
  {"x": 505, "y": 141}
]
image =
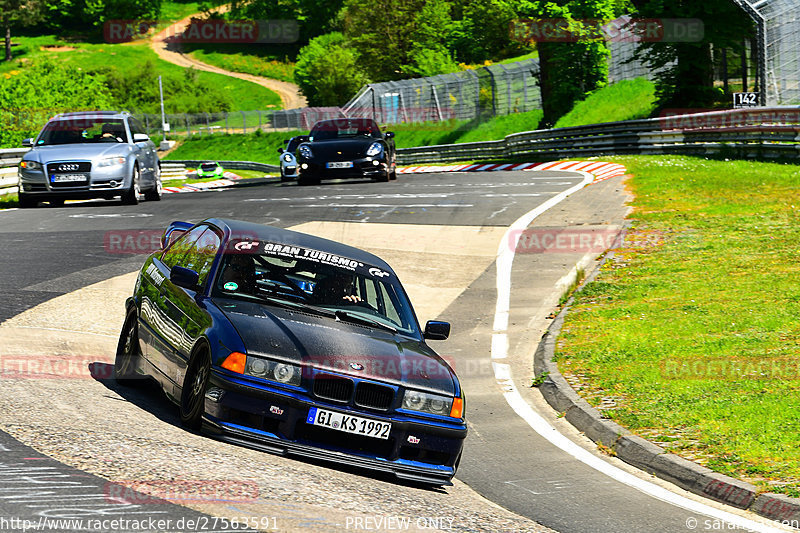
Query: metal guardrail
[
  {"x": 758, "y": 132},
  {"x": 229, "y": 165}
]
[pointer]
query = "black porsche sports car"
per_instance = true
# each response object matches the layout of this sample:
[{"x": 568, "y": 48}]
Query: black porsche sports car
[
  {"x": 290, "y": 343},
  {"x": 346, "y": 148}
]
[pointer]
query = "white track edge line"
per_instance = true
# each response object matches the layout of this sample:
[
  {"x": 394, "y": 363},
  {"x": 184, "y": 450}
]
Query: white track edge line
[{"x": 505, "y": 258}]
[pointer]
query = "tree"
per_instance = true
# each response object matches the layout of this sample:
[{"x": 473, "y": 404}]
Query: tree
[
  {"x": 315, "y": 17},
  {"x": 570, "y": 70},
  {"x": 328, "y": 71},
  {"x": 17, "y": 13},
  {"x": 408, "y": 38},
  {"x": 481, "y": 31},
  {"x": 685, "y": 69}
]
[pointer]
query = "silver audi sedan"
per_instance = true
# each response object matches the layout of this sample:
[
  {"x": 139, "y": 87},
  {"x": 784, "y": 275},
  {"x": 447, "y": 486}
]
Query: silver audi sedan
[{"x": 97, "y": 154}]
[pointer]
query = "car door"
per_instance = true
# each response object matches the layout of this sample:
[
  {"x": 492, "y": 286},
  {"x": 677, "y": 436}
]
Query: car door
[
  {"x": 182, "y": 306},
  {"x": 148, "y": 158}
]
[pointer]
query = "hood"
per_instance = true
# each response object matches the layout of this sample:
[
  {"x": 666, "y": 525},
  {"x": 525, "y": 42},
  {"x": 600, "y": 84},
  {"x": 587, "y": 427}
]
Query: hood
[
  {"x": 71, "y": 152},
  {"x": 326, "y": 343},
  {"x": 350, "y": 148}
]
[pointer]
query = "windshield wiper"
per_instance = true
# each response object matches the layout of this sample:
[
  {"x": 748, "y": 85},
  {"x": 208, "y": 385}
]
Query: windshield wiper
[
  {"x": 344, "y": 316},
  {"x": 287, "y": 304}
]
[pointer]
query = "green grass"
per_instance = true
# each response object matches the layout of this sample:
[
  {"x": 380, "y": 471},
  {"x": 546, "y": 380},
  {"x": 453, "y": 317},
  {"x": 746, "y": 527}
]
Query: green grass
[
  {"x": 259, "y": 147},
  {"x": 129, "y": 58},
  {"x": 625, "y": 100},
  {"x": 708, "y": 276},
  {"x": 172, "y": 11},
  {"x": 8, "y": 201},
  {"x": 258, "y": 60}
]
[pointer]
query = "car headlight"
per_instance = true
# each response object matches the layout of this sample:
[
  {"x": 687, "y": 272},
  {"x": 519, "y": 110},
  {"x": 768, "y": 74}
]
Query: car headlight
[
  {"x": 305, "y": 151},
  {"x": 111, "y": 162},
  {"x": 288, "y": 158},
  {"x": 374, "y": 149},
  {"x": 427, "y": 403},
  {"x": 30, "y": 165},
  {"x": 265, "y": 369}
]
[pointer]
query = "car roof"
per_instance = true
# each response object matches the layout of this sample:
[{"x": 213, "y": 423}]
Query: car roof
[
  {"x": 92, "y": 114},
  {"x": 285, "y": 236}
]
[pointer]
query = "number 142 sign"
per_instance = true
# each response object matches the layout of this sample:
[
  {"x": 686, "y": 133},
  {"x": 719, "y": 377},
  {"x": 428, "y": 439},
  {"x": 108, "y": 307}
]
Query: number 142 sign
[{"x": 741, "y": 100}]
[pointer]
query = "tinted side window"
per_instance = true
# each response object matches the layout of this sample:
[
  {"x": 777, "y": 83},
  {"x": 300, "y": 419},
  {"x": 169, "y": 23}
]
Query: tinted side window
[
  {"x": 200, "y": 256},
  {"x": 174, "y": 254}
]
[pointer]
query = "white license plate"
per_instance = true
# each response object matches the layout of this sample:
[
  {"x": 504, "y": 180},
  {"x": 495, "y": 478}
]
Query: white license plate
[
  {"x": 340, "y": 164},
  {"x": 60, "y": 178},
  {"x": 348, "y": 423}
]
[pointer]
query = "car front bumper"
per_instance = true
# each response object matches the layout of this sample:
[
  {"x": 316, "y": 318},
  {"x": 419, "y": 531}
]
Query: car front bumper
[
  {"x": 362, "y": 168},
  {"x": 103, "y": 183},
  {"x": 273, "y": 420}
]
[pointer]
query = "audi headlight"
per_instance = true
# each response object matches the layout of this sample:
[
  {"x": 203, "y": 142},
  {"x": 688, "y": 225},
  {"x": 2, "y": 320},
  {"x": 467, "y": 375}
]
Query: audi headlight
[
  {"x": 288, "y": 158},
  {"x": 30, "y": 165},
  {"x": 374, "y": 149},
  {"x": 427, "y": 403},
  {"x": 111, "y": 162},
  {"x": 305, "y": 151},
  {"x": 264, "y": 368}
]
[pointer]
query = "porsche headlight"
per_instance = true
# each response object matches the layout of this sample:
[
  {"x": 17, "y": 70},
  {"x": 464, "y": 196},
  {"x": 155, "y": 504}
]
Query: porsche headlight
[
  {"x": 427, "y": 403},
  {"x": 111, "y": 162},
  {"x": 305, "y": 151},
  {"x": 287, "y": 157},
  {"x": 30, "y": 165},
  {"x": 374, "y": 149}
]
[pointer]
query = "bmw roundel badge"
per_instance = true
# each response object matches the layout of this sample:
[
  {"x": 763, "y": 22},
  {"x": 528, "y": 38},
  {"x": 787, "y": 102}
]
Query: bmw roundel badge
[{"x": 356, "y": 366}]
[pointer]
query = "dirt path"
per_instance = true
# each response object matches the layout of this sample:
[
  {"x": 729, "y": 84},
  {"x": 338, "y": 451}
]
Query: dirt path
[{"x": 289, "y": 92}]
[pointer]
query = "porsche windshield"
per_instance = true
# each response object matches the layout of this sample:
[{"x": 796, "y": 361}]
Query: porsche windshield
[
  {"x": 83, "y": 130},
  {"x": 344, "y": 128},
  {"x": 332, "y": 285}
]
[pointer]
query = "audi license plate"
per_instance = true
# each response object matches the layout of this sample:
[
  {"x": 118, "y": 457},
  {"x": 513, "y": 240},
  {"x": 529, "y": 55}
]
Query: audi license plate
[
  {"x": 62, "y": 178},
  {"x": 340, "y": 164},
  {"x": 349, "y": 424}
]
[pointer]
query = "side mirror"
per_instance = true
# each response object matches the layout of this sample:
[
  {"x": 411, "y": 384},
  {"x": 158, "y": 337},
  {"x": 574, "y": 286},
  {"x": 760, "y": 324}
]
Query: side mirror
[
  {"x": 436, "y": 331},
  {"x": 388, "y": 135},
  {"x": 184, "y": 277},
  {"x": 281, "y": 150},
  {"x": 27, "y": 142},
  {"x": 286, "y": 141},
  {"x": 140, "y": 138}
]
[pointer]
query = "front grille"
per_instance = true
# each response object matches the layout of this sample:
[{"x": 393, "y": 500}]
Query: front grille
[
  {"x": 334, "y": 388},
  {"x": 69, "y": 167},
  {"x": 374, "y": 396}
]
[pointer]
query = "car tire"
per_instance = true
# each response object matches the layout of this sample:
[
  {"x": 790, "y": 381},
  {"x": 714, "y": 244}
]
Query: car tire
[
  {"x": 193, "y": 394},
  {"x": 127, "y": 351},
  {"x": 57, "y": 203},
  {"x": 285, "y": 179},
  {"x": 393, "y": 175},
  {"x": 383, "y": 177},
  {"x": 26, "y": 202},
  {"x": 154, "y": 195},
  {"x": 131, "y": 196}
]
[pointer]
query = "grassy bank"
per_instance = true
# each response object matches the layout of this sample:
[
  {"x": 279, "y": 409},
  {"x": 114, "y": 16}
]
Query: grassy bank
[
  {"x": 626, "y": 100},
  {"x": 260, "y": 147},
  {"x": 690, "y": 336},
  {"x": 259, "y": 62}
]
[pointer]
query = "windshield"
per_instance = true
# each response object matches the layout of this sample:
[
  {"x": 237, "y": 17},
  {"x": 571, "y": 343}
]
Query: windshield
[
  {"x": 82, "y": 131},
  {"x": 329, "y": 285},
  {"x": 294, "y": 142},
  {"x": 206, "y": 167},
  {"x": 344, "y": 128}
]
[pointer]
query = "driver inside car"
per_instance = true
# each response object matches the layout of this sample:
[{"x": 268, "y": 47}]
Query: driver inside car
[
  {"x": 110, "y": 134},
  {"x": 239, "y": 274},
  {"x": 334, "y": 288}
]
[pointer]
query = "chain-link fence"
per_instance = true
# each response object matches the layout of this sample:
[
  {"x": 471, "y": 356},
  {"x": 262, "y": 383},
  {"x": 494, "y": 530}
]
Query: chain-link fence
[
  {"x": 493, "y": 90},
  {"x": 778, "y": 48}
]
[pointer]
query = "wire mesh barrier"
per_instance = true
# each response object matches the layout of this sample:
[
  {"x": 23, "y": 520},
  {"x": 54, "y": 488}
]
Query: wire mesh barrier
[{"x": 778, "y": 44}]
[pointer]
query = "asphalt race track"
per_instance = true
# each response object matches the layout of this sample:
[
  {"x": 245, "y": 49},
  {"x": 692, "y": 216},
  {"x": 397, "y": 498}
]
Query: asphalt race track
[{"x": 66, "y": 272}]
